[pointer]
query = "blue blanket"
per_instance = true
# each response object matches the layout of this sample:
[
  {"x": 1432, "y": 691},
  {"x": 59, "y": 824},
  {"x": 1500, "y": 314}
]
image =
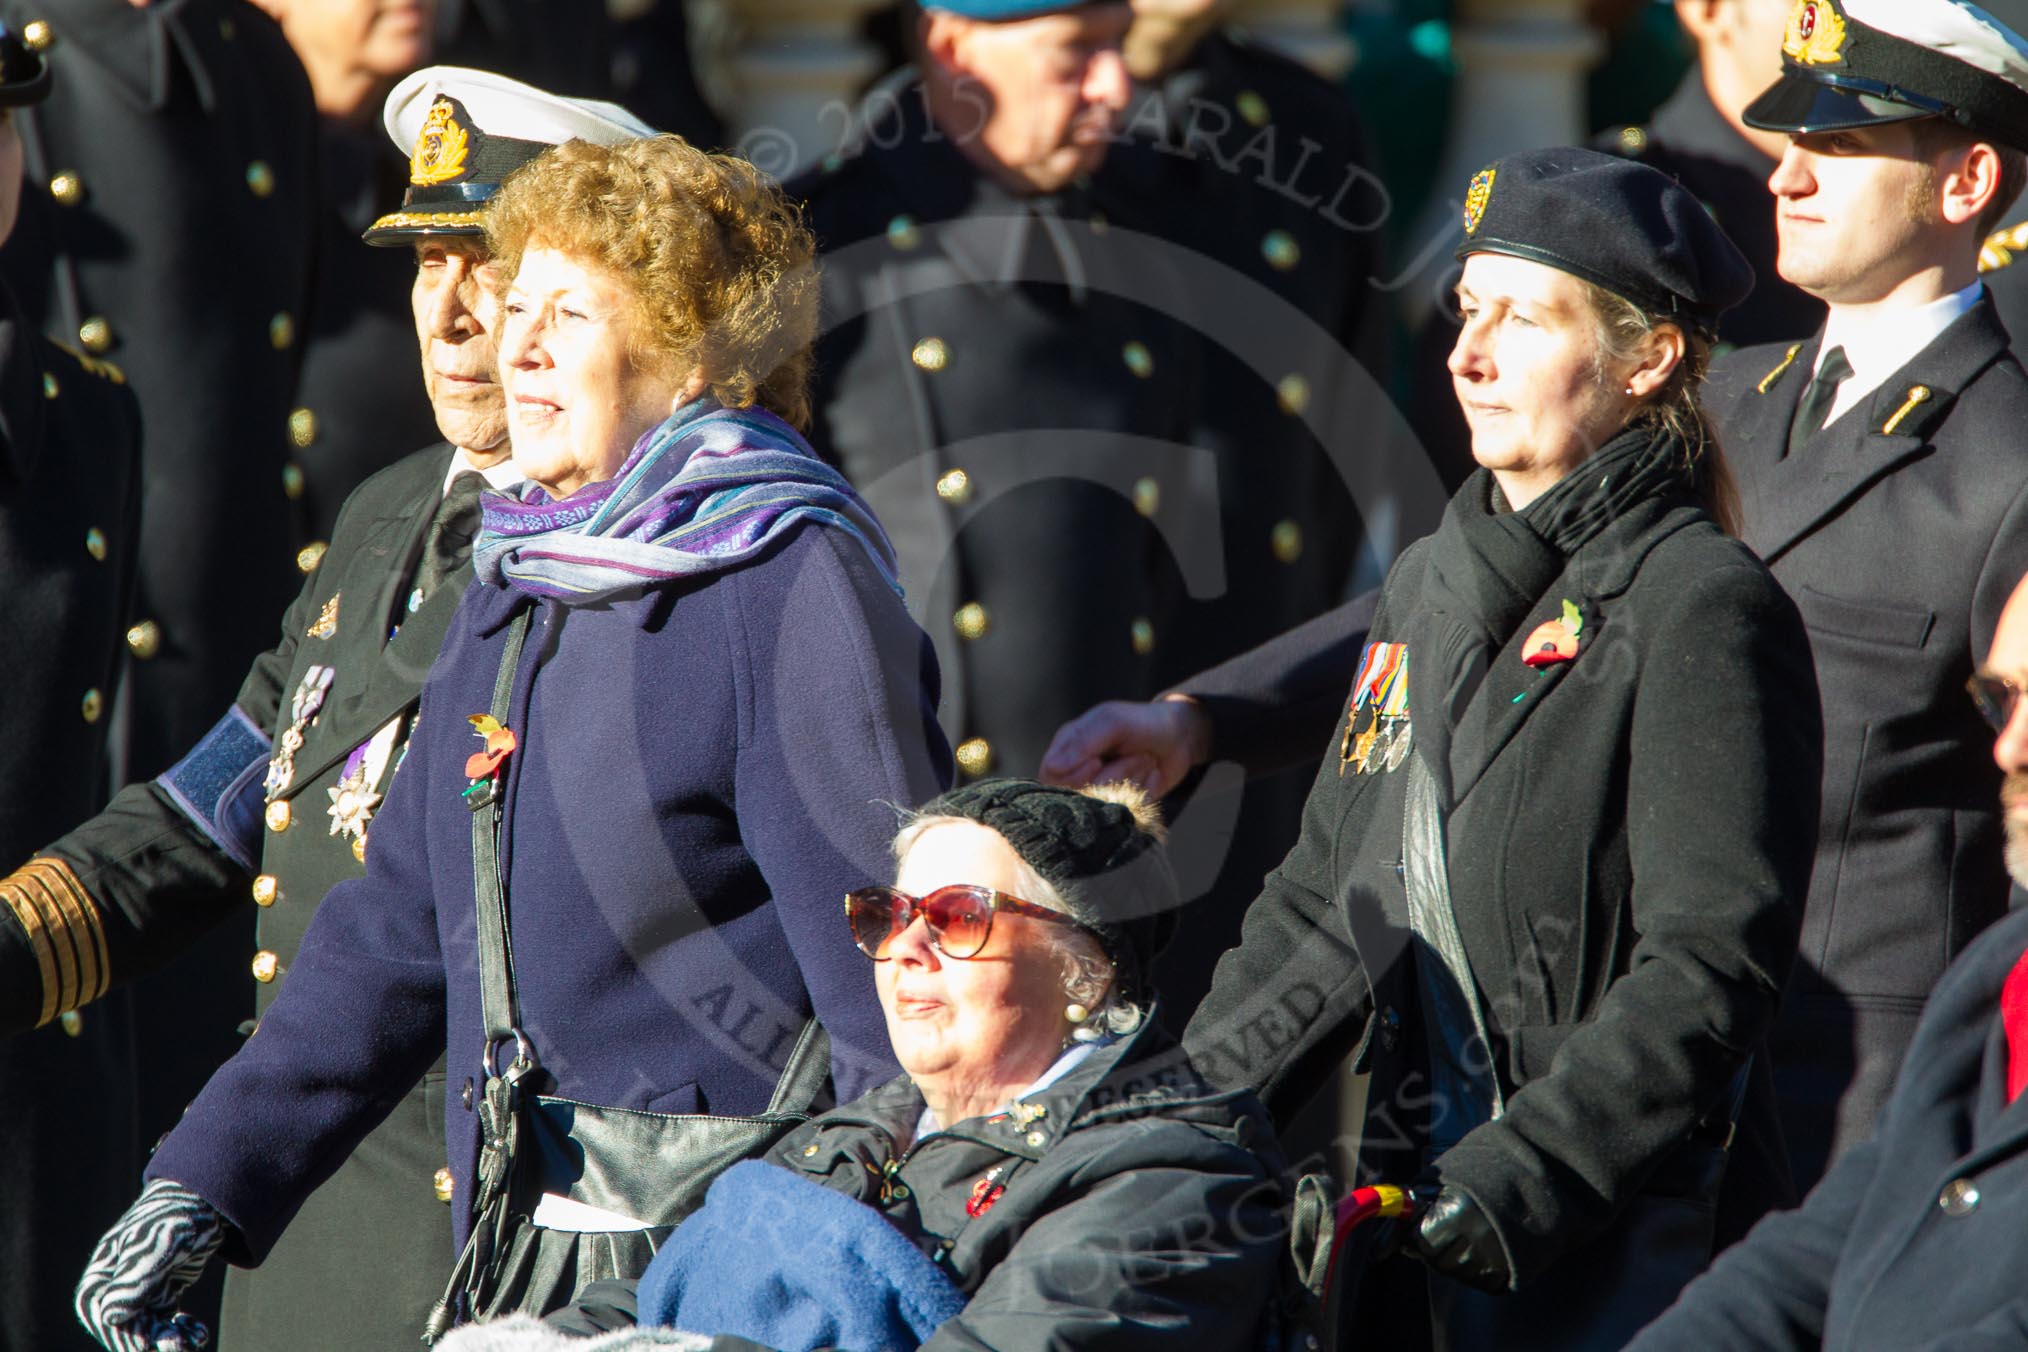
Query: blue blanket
[{"x": 791, "y": 1264}]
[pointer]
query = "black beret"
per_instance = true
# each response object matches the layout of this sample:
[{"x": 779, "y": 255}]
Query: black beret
[
  {"x": 24, "y": 77},
  {"x": 1628, "y": 227},
  {"x": 1103, "y": 856},
  {"x": 1859, "y": 63}
]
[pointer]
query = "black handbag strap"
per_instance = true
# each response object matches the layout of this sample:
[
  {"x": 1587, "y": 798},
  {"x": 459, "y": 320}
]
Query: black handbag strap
[{"x": 497, "y": 1004}]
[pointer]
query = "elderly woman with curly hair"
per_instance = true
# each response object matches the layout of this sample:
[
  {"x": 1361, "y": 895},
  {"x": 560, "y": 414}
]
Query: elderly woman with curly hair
[{"x": 661, "y": 741}]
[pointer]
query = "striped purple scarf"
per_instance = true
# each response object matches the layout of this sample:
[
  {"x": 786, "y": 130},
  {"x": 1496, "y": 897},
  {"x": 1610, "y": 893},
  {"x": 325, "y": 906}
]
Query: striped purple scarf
[{"x": 707, "y": 490}]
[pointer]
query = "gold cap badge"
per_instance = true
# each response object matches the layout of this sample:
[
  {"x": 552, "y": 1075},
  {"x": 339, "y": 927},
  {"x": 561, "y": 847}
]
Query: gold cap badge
[
  {"x": 1816, "y": 35},
  {"x": 440, "y": 147},
  {"x": 1476, "y": 198}
]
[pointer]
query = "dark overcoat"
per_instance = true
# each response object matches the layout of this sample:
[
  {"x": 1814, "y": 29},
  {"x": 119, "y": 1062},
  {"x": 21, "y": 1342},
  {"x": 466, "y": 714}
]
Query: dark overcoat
[
  {"x": 1900, "y": 530},
  {"x": 69, "y": 516},
  {"x": 158, "y": 866},
  {"x": 995, "y": 378},
  {"x": 1628, "y": 834},
  {"x": 701, "y": 773},
  {"x": 1127, "y": 1205},
  {"x": 1913, "y": 1241}
]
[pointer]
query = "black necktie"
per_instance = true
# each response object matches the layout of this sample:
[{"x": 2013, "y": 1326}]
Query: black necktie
[
  {"x": 1832, "y": 372},
  {"x": 449, "y": 542}
]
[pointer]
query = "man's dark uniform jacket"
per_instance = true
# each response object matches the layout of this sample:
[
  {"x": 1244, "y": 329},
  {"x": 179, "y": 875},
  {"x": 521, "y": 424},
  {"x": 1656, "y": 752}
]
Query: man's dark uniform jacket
[
  {"x": 1258, "y": 167},
  {"x": 1913, "y": 1242},
  {"x": 369, "y": 1253},
  {"x": 994, "y": 378},
  {"x": 69, "y": 518},
  {"x": 1900, "y": 530},
  {"x": 166, "y": 224}
]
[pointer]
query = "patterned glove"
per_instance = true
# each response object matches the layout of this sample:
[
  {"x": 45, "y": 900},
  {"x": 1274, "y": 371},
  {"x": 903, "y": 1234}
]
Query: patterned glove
[
  {"x": 1456, "y": 1237},
  {"x": 127, "y": 1296}
]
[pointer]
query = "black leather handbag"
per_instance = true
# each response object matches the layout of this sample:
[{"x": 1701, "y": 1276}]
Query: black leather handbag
[{"x": 652, "y": 1167}]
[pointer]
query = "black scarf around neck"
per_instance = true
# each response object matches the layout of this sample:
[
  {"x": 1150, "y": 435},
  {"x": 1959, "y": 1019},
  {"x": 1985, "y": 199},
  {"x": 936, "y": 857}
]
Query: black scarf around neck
[{"x": 1490, "y": 567}]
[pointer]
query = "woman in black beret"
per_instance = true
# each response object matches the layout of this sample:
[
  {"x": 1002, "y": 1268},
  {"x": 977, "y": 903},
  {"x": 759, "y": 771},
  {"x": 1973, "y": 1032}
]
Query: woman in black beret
[{"x": 1547, "y": 882}]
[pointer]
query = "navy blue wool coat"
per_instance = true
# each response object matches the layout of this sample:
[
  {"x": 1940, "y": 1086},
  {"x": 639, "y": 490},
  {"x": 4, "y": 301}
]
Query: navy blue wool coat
[{"x": 702, "y": 773}]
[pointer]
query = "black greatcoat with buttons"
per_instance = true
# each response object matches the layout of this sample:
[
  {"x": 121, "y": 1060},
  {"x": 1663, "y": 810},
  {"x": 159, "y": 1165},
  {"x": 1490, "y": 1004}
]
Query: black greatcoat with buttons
[
  {"x": 166, "y": 224},
  {"x": 69, "y": 509},
  {"x": 994, "y": 376},
  {"x": 1900, "y": 530},
  {"x": 369, "y": 1253},
  {"x": 1913, "y": 1242},
  {"x": 1628, "y": 838}
]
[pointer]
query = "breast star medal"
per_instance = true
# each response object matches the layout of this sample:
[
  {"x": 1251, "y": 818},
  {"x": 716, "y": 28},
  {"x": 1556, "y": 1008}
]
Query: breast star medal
[
  {"x": 1377, "y": 728},
  {"x": 357, "y": 792},
  {"x": 1554, "y": 641},
  {"x": 303, "y": 707}
]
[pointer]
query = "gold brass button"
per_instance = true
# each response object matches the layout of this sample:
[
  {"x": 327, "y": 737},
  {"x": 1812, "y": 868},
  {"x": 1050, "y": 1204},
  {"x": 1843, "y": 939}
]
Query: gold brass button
[
  {"x": 260, "y": 179},
  {"x": 265, "y": 890},
  {"x": 443, "y": 1185},
  {"x": 96, "y": 334},
  {"x": 359, "y": 848},
  {"x": 975, "y": 756},
  {"x": 1633, "y": 140},
  {"x": 1143, "y": 634},
  {"x": 903, "y": 233},
  {"x": 50, "y": 389},
  {"x": 1292, "y": 392},
  {"x": 955, "y": 487},
  {"x": 1138, "y": 359},
  {"x": 67, "y": 188},
  {"x": 278, "y": 815},
  {"x": 1147, "y": 497},
  {"x": 266, "y": 966},
  {"x": 1252, "y": 107},
  {"x": 310, "y": 555},
  {"x": 144, "y": 639},
  {"x": 971, "y": 621},
  {"x": 36, "y": 35},
  {"x": 302, "y": 427},
  {"x": 292, "y": 481},
  {"x": 1034, "y": 1138},
  {"x": 1286, "y": 539},
  {"x": 809, "y": 1150},
  {"x": 1960, "y": 1197},
  {"x": 95, "y": 544},
  {"x": 72, "y": 1022},
  {"x": 92, "y": 705},
  {"x": 1280, "y": 249},
  {"x": 931, "y": 354},
  {"x": 282, "y": 331}
]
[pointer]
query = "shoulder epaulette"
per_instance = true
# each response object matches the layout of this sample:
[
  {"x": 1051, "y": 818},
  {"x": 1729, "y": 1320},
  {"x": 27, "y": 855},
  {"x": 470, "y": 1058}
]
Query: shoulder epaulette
[
  {"x": 1767, "y": 381},
  {"x": 2001, "y": 246}
]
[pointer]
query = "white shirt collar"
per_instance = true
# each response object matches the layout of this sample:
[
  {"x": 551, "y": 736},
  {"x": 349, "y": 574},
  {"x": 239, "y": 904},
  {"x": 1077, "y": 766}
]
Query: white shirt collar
[
  {"x": 503, "y": 475},
  {"x": 1883, "y": 344}
]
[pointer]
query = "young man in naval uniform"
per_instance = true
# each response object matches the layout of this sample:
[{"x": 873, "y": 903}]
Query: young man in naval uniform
[
  {"x": 69, "y": 515},
  {"x": 277, "y": 801},
  {"x": 1884, "y": 478}
]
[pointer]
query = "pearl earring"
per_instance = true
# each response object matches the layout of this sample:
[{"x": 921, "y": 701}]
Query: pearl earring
[{"x": 1076, "y": 1013}]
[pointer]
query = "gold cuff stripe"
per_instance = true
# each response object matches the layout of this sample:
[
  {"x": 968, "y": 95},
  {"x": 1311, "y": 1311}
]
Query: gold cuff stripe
[
  {"x": 87, "y": 929},
  {"x": 30, "y": 920},
  {"x": 62, "y": 943}
]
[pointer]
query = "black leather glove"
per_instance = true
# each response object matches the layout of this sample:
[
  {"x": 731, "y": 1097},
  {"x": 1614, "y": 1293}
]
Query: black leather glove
[
  {"x": 127, "y": 1296},
  {"x": 1456, "y": 1237}
]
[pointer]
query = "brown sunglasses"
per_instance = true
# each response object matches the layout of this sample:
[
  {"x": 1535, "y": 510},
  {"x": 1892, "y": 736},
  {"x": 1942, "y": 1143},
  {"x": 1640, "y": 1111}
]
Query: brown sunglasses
[{"x": 960, "y": 917}]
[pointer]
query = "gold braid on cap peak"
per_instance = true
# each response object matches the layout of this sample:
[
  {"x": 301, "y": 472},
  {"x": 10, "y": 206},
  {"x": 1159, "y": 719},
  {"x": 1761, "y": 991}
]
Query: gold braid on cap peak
[
  {"x": 64, "y": 932},
  {"x": 2000, "y": 247}
]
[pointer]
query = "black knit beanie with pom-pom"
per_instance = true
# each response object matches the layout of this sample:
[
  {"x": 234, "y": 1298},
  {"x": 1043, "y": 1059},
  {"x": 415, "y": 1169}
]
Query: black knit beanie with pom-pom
[{"x": 1101, "y": 848}]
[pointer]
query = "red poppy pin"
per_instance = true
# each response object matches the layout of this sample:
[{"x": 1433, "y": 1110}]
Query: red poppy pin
[
  {"x": 1555, "y": 640},
  {"x": 499, "y": 746},
  {"x": 984, "y": 1193}
]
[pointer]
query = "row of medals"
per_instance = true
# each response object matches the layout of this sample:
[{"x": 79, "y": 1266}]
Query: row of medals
[{"x": 1381, "y": 745}]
